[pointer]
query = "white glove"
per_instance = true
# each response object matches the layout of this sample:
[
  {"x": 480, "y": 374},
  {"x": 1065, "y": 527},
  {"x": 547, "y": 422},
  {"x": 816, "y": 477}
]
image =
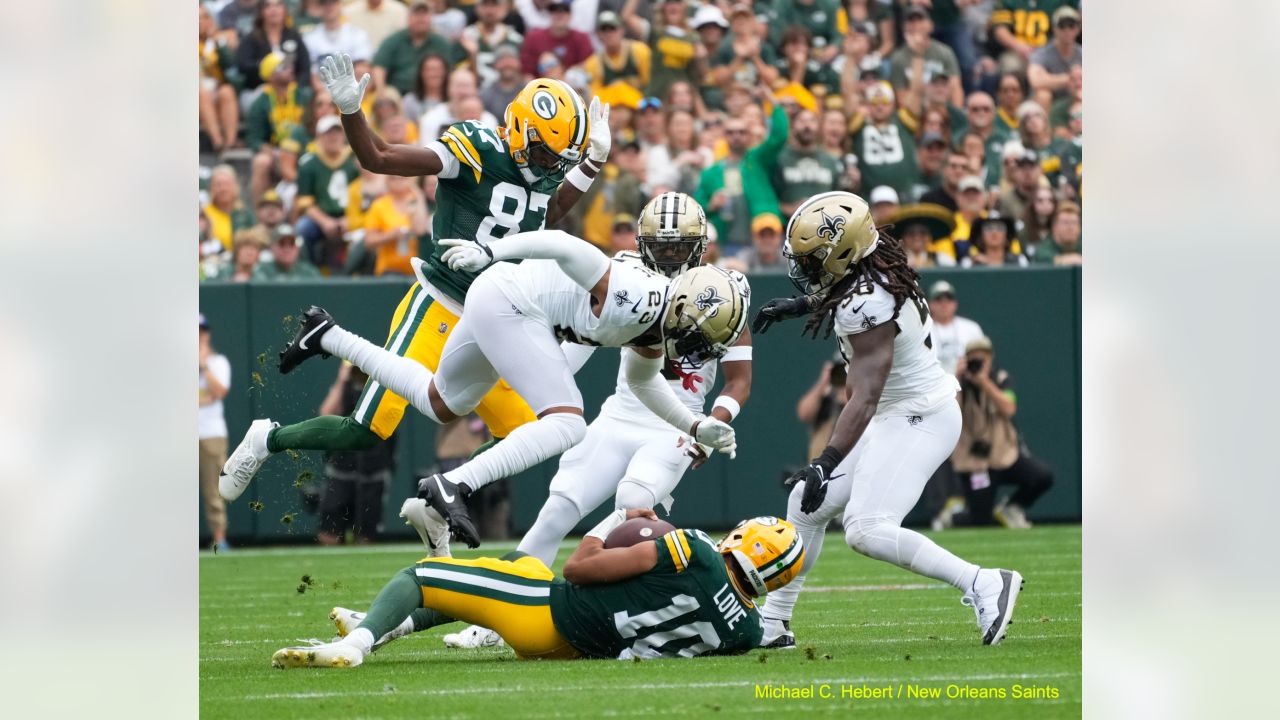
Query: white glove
[
  {"x": 467, "y": 255},
  {"x": 432, "y": 528},
  {"x": 717, "y": 435},
  {"x": 340, "y": 77},
  {"x": 600, "y": 140}
]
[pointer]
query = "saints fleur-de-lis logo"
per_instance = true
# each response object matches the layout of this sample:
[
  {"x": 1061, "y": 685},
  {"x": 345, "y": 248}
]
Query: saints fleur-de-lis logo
[
  {"x": 831, "y": 226},
  {"x": 709, "y": 300}
]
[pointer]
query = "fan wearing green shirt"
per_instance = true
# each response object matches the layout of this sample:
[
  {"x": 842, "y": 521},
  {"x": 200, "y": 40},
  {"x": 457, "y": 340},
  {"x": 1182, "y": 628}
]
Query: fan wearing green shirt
[
  {"x": 324, "y": 182},
  {"x": 398, "y": 57}
]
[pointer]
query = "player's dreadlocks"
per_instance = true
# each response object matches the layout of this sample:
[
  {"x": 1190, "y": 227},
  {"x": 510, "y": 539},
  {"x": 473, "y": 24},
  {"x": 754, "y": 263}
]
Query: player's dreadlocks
[{"x": 887, "y": 265}]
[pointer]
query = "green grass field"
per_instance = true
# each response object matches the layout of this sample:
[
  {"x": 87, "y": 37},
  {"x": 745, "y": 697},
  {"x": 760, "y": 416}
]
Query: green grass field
[{"x": 859, "y": 623}]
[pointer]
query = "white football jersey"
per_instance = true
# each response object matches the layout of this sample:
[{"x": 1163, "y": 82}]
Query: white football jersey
[
  {"x": 917, "y": 384},
  {"x": 540, "y": 289}
]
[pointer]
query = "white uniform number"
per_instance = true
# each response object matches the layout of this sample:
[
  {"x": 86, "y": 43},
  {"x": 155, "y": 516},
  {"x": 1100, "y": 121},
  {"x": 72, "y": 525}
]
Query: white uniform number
[
  {"x": 338, "y": 188},
  {"x": 629, "y": 626},
  {"x": 882, "y": 147},
  {"x": 507, "y": 207}
]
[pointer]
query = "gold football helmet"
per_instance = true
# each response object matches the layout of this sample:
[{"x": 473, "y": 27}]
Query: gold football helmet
[
  {"x": 767, "y": 550},
  {"x": 705, "y": 315},
  {"x": 672, "y": 233},
  {"x": 827, "y": 234},
  {"x": 546, "y": 131}
]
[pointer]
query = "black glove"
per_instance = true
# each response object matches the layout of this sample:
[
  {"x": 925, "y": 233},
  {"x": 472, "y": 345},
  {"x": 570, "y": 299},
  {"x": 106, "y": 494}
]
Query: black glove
[
  {"x": 816, "y": 476},
  {"x": 779, "y": 309}
]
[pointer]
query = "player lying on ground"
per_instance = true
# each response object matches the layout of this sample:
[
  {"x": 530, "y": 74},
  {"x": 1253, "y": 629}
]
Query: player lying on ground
[
  {"x": 677, "y": 596},
  {"x": 515, "y": 318},
  {"x": 492, "y": 184},
  {"x": 902, "y": 419},
  {"x": 628, "y": 451}
]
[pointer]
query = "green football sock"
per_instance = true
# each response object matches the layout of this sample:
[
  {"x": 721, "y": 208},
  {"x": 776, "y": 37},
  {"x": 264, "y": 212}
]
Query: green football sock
[
  {"x": 426, "y": 618},
  {"x": 327, "y": 432},
  {"x": 398, "y": 598}
]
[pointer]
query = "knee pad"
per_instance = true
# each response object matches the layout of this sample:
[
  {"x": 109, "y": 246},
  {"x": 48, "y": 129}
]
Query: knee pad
[
  {"x": 570, "y": 428},
  {"x": 860, "y": 531},
  {"x": 632, "y": 494}
]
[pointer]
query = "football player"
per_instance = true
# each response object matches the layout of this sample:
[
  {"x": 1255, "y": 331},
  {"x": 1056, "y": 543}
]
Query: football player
[
  {"x": 680, "y": 595},
  {"x": 493, "y": 183},
  {"x": 902, "y": 419},
  {"x": 511, "y": 327},
  {"x": 629, "y": 452}
]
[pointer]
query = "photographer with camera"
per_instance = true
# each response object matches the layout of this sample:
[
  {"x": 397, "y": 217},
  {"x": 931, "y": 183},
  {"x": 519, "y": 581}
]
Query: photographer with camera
[
  {"x": 820, "y": 406},
  {"x": 991, "y": 452}
]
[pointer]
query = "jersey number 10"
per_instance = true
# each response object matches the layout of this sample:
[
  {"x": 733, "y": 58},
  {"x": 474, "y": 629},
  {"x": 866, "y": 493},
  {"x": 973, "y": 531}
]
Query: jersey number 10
[{"x": 650, "y": 644}]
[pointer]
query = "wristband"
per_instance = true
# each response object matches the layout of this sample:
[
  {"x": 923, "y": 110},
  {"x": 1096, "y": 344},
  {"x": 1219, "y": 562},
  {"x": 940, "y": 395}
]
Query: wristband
[
  {"x": 730, "y": 405},
  {"x": 608, "y": 524},
  {"x": 579, "y": 179},
  {"x": 829, "y": 459}
]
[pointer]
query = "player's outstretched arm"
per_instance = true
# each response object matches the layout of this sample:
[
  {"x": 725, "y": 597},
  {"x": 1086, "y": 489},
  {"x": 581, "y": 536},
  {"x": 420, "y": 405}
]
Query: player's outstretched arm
[
  {"x": 737, "y": 380},
  {"x": 578, "y": 181},
  {"x": 374, "y": 154},
  {"x": 642, "y": 369},
  {"x": 580, "y": 260},
  {"x": 593, "y": 564}
]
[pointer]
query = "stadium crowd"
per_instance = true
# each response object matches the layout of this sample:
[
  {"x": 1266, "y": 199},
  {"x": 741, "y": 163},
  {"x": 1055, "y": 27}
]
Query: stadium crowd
[{"x": 960, "y": 121}]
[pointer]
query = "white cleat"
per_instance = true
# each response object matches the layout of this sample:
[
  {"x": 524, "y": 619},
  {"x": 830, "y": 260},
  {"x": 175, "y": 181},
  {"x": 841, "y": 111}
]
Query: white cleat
[
  {"x": 777, "y": 635},
  {"x": 245, "y": 461},
  {"x": 474, "y": 637},
  {"x": 431, "y": 527},
  {"x": 346, "y": 620},
  {"x": 993, "y": 596},
  {"x": 324, "y": 655}
]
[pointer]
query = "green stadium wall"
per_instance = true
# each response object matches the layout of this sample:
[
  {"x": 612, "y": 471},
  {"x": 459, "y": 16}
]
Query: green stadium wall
[{"x": 1032, "y": 315}]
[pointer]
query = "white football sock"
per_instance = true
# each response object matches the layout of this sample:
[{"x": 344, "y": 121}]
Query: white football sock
[
  {"x": 400, "y": 375},
  {"x": 525, "y": 447},
  {"x": 812, "y": 529},
  {"x": 555, "y": 520},
  {"x": 360, "y": 638},
  {"x": 883, "y": 539}
]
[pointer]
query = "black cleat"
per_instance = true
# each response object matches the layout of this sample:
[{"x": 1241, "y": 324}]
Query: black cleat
[
  {"x": 306, "y": 343},
  {"x": 446, "y": 498},
  {"x": 784, "y": 639}
]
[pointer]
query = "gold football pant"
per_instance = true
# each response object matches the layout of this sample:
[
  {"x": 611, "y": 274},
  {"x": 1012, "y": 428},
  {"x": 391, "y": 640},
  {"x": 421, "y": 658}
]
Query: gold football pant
[
  {"x": 419, "y": 329},
  {"x": 511, "y": 597}
]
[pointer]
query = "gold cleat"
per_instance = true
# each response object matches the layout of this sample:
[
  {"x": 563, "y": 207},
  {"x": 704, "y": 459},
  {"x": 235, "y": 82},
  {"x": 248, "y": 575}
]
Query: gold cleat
[{"x": 335, "y": 654}]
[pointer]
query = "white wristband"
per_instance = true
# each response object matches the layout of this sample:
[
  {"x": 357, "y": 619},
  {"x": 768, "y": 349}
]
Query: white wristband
[
  {"x": 579, "y": 179},
  {"x": 730, "y": 406},
  {"x": 608, "y": 524}
]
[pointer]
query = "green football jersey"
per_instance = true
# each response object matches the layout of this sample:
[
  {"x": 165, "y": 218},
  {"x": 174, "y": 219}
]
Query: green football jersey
[
  {"x": 327, "y": 182},
  {"x": 685, "y": 606},
  {"x": 487, "y": 200},
  {"x": 887, "y": 154}
]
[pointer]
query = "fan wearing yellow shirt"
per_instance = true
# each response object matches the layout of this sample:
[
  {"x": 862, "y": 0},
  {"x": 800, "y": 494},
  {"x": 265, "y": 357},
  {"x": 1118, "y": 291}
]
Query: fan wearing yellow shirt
[{"x": 393, "y": 224}]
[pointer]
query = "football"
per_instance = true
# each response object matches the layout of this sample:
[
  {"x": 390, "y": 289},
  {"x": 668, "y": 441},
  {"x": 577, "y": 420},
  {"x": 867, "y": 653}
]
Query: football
[{"x": 637, "y": 530}]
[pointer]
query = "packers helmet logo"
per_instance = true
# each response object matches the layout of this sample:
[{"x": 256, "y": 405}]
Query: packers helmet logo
[
  {"x": 544, "y": 103},
  {"x": 831, "y": 226},
  {"x": 709, "y": 300},
  {"x": 767, "y": 520}
]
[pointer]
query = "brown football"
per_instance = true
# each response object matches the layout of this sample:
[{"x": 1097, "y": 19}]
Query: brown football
[{"x": 637, "y": 530}]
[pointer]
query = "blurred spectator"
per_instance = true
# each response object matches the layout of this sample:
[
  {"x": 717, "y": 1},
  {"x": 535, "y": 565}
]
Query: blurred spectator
[
  {"x": 219, "y": 106},
  {"x": 508, "y": 83},
  {"x": 989, "y": 244},
  {"x": 980, "y": 121},
  {"x": 1021, "y": 26},
  {"x": 549, "y": 66},
  {"x": 1070, "y": 153},
  {"x": 270, "y": 212},
  {"x": 1010, "y": 94},
  {"x": 672, "y": 39},
  {"x": 858, "y": 66},
  {"x": 931, "y": 157},
  {"x": 430, "y": 87},
  {"x": 355, "y": 480},
  {"x": 737, "y": 188},
  {"x": 884, "y": 143},
  {"x": 873, "y": 19},
  {"x": 711, "y": 25},
  {"x": 923, "y": 56},
  {"x": 817, "y": 17},
  {"x": 300, "y": 142},
  {"x": 274, "y": 118},
  {"x": 803, "y": 168},
  {"x": 246, "y": 250},
  {"x": 932, "y": 94},
  {"x": 448, "y": 21},
  {"x": 378, "y": 18},
  {"x": 798, "y": 64},
  {"x": 393, "y": 225},
  {"x": 991, "y": 451},
  {"x": 537, "y": 13},
  {"x": 1037, "y": 222},
  {"x": 1033, "y": 131},
  {"x": 1049, "y": 70},
  {"x": 211, "y": 425},
  {"x": 953, "y": 171},
  {"x": 623, "y": 236},
  {"x": 971, "y": 206},
  {"x": 225, "y": 210},
  {"x": 1025, "y": 178},
  {"x": 212, "y": 254},
  {"x": 952, "y": 29},
  {"x": 650, "y": 123},
  {"x": 743, "y": 59},
  {"x": 676, "y": 163},
  {"x": 682, "y": 96},
  {"x": 1063, "y": 246},
  {"x": 398, "y": 62},
  {"x": 568, "y": 45},
  {"x": 820, "y": 406},
  {"x": 334, "y": 36},
  {"x": 482, "y": 41},
  {"x": 884, "y": 203},
  {"x": 238, "y": 15},
  {"x": 389, "y": 121},
  {"x": 765, "y": 254},
  {"x": 272, "y": 33},
  {"x": 925, "y": 231},
  {"x": 1060, "y": 111},
  {"x": 462, "y": 87},
  {"x": 619, "y": 59},
  {"x": 615, "y": 191},
  {"x": 324, "y": 177},
  {"x": 286, "y": 261}
]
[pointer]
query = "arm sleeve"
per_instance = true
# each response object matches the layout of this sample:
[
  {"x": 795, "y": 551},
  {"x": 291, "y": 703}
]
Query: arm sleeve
[
  {"x": 778, "y": 131},
  {"x": 576, "y": 354},
  {"x": 646, "y": 382},
  {"x": 449, "y": 161},
  {"x": 580, "y": 260}
]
